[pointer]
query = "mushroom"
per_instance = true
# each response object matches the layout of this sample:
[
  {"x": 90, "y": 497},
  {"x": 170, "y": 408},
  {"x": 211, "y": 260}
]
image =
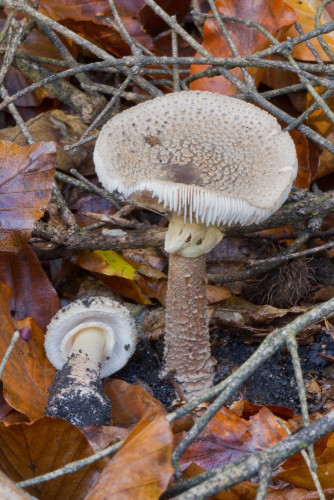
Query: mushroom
[
  {"x": 209, "y": 160},
  {"x": 87, "y": 340}
]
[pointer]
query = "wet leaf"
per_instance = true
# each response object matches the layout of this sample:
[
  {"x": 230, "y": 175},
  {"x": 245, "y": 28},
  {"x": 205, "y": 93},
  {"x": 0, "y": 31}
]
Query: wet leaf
[
  {"x": 28, "y": 373},
  {"x": 227, "y": 437},
  {"x": 273, "y": 15},
  {"x": 129, "y": 402},
  {"x": 25, "y": 189},
  {"x": 146, "y": 458},
  {"x": 28, "y": 450},
  {"x": 32, "y": 293},
  {"x": 305, "y": 11}
]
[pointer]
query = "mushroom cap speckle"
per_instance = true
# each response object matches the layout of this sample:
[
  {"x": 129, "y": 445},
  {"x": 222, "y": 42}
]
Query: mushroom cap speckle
[
  {"x": 96, "y": 311},
  {"x": 204, "y": 155}
]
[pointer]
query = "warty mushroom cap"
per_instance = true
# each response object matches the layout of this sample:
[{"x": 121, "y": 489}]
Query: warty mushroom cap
[
  {"x": 203, "y": 155},
  {"x": 101, "y": 312}
]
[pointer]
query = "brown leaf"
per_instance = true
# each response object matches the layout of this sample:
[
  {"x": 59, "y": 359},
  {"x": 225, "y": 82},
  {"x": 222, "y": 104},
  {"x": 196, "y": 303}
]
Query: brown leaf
[
  {"x": 63, "y": 128},
  {"x": 153, "y": 23},
  {"x": 326, "y": 161},
  {"x": 102, "y": 436},
  {"x": 28, "y": 450},
  {"x": 273, "y": 15},
  {"x": 25, "y": 189},
  {"x": 129, "y": 402},
  {"x": 32, "y": 293},
  {"x": 240, "y": 313},
  {"x": 216, "y": 293},
  {"x": 228, "y": 437},
  {"x": 305, "y": 11},
  {"x": 141, "y": 469},
  {"x": 304, "y": 175},
  {"x": 91, "y": 20},
  {"x": 27, "y": 374}
]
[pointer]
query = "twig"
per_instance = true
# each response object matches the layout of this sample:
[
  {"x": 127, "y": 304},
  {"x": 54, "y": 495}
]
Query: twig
[{"x": 15, "y": 338}]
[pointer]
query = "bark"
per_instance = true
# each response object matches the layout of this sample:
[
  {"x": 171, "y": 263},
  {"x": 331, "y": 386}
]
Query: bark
[{"x": 187, "y": 343}]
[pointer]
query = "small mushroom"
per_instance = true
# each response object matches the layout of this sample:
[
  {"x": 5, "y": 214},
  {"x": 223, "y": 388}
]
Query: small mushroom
[
  {"x": 209, "y": 160},
  {"x": 87, "y": 340}
]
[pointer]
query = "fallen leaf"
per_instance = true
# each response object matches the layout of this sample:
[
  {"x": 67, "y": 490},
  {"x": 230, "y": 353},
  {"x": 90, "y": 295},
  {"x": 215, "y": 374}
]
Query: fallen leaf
[
  {"x": 227, "y": 437},
  {"x": 273, "y": 15},
  {"x": 295, "y": 471},
  {"x": 114, "y": 271},
  {"x": 326, "y": 161},
  {"x": 32, "y": 293},
  {"x": 146, "y": 458},
  {"x": 304, "y": 174},
  {"x": 217, "y": 293},
  {"x": 305, "y": 11},
  {"x": 9, "y": 490},
  {"x": 62, "y": 128},
  {"x": 129, "y": 402},
  {"x": 238, "y": 312},
  {"x": 102, "y": 436},
  {"x": 25, "y": 188},
  {"x": 27, "y": 374},
  {"x": 92, "y": 20},
  {"x": 28, "y": 450}
]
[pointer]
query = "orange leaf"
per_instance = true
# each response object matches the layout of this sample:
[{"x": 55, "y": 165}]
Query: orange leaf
[
  {"x": 33, "y": 295},
  {"x": 273, "y": 15},
  {"x": 304, "y": 175},
  {"x": 28, "y": 450},
  {"x": 129, "y": 402},
  {"x": 141, "y": 469},
  {"x": 25, "y": 189},
  {"x": 27, "y": 374},
  {"x": 305, "y": 11}
]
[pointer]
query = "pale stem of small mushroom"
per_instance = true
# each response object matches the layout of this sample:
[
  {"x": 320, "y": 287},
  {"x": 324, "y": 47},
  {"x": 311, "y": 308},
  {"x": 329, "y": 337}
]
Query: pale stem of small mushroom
[
  {"x": 86, "y": 354},
  {"x": 187, "y": 342}
]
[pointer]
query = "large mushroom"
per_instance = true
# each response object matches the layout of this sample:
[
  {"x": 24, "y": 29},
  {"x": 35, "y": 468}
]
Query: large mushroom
[
  {"x": 208, "y": 160},
  {"x": 86, "y": 341}
]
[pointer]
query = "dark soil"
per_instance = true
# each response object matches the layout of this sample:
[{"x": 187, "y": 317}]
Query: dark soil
[{"x": 272, "y": 383}]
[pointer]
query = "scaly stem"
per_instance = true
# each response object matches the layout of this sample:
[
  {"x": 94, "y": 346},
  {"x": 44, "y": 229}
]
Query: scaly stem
[{"x": 187, "y": 342}]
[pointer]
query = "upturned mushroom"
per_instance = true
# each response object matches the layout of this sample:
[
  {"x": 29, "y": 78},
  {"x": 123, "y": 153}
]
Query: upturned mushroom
[
  {"x": 208, "y": 160},
  {"x": 87, "y": 340}
]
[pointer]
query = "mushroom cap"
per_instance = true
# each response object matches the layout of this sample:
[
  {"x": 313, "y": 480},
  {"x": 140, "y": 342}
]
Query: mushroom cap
[
  {"x": 201, "y": 154},
  {"x": 102, "y": 312}
]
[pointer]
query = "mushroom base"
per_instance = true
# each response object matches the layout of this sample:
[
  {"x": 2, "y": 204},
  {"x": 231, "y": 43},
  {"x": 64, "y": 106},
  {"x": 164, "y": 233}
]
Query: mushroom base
[
  {"x": 187, "y": 343},
  {"x": 77, "y": 402}
]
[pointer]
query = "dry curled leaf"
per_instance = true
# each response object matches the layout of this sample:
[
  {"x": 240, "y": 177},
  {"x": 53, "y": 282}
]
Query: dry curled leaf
[
  {"x": 27, "y": 374},
  {"x": 26, "y": 178}
]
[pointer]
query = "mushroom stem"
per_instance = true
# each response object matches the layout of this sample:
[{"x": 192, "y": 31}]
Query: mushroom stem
[
  {"x": 76, "y": 393},
  {"x": 86, "y": 353},
  {"x": 187, "y": 343}
]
